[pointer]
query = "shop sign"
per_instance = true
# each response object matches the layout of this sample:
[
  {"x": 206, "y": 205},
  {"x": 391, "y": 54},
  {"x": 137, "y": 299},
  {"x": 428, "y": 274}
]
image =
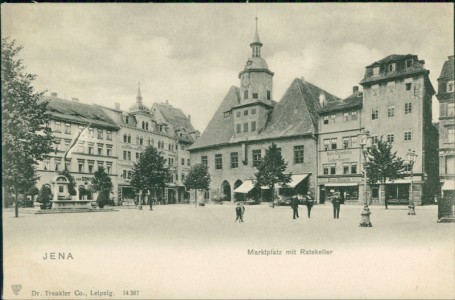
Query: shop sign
[
  {"x": 83, "y": 178},
  {"x": 339, "y": 156}
]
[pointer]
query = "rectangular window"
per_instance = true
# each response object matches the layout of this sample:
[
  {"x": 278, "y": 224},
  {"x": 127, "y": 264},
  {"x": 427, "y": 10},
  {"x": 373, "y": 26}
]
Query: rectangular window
[
  {"x": 353, "y": 115},
  {"x": 234, "y": 160},
  {"x": 346, "y": 168},
  {"x": 238, "y": 114},
  {"x": 245, "y": 127},
  {"x": 80, "y": 164},
  {"x": 333, "y": 168},
  {"x": 326, "y": 119},
  {"x": 67, "y": 128},
  {"x": 326, "y": 144},
  {"x": 374, "y": 139},
  {"x": 374, "y": 114},
  {"x": 255, "y": 95},
  {"x": 391, "y": 111},
  {"x": 90, "y": 150},
  {"x": 188, "y": 162},
  {"x": 109, "y": 135},
  {"x": 58, "y": 127},
  {"x": 390, "y": 138},
  {"x": 256, "y": 158},
  {"x": 90, "y": 167},
  {"x": 218, "y": 161},
  {"x": 408, "y": 86},
  {"x": 407, "y": 108},
  {"x": 333, "y": 143},
  {"x": 450, "y": 109},
  {"x": 109, "y": 168},
  {"x": 125, "y": 138},
  {"x": 91, "y": 132},
  {"x": 346, "y": 142},
  {"x": 375, "y": 71},
  {"x": 345, "y": 116},
  {"x": 245, "y": 94},
  {"x": 450, "y": 86},
  {"x": 100, "y": 133},
  {"x": 353, "y": 168},
  {"x": 269, "y": 95},
  {"x": 253, "y": 126},
  {"x": 227, "y": 114},
  {"x": 183, "y": 161},
  {"x": 407, "y": 135},
  {"x": 245, "y": 112},
  {"x": 326, "y": 169},
  {"x": 109, "y": 151},
  {"x": 57, "y": 164},
  {"x": 298, "y": 154},
  {"x": 204, "y": 160},
  {"x": 127, "y": 120},
  {"x": 100, "y": 150},
  {"x": 409, "y": 63},
  {"x": 450, "y": 135},
  {"x": 46, "y": 165},
  {"x": 333, "y": 118},
  {"x": 239, "y": 128},
  {"x": 353, "y": 141},
  {"x": 391, "y": 67},
  {"x": 253, "y": 111}
]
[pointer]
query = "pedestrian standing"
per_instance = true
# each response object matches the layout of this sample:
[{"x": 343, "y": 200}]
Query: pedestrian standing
[
  {"x": 336, "y": 201},
  {"x": 295, "y": 207},
  {"x": 309, "y": 203},
  {"x": 239, "y": 212},
  {"x": 242, "y": 212}
]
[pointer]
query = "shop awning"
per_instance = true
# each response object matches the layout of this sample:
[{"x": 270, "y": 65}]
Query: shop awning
[
  {"x": 340, "y": 184},
  {"x": 448, "y": 185},
  {"x": 295, "y": 180},
  {"x": 245, "y": 187}
]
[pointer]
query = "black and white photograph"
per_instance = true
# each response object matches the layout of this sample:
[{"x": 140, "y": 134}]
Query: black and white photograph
[{"x": 228, "y": 150}]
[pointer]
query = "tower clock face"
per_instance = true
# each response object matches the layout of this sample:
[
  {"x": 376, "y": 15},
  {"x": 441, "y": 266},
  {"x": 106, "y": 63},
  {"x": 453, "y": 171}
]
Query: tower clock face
[{"x": 246, "y": 81}]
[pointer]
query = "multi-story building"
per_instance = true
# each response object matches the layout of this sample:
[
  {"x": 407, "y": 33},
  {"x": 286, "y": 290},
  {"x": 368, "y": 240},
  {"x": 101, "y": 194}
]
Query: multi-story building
[
  {"x": 397, "y": 95},
  {"x": 248, "y": 121},
  {"x": 339, "y": 151},
  {"x": 446, "y": 127},
  {"x": 96, "y": 147},
  {"x": 141, "y": 127}
]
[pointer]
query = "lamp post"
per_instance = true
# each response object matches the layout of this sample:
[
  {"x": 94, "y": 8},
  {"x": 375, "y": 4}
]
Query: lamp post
[
  {"x": 411, "y": 156},
  {"x": 365, "y": 143}
]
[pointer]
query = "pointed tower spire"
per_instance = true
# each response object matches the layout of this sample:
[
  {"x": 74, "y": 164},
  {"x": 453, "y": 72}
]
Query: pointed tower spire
[
  {"x": 139, "y": 96},
  {"x": 256, "y": 44}
]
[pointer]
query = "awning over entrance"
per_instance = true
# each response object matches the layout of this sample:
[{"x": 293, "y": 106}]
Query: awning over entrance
[
  {"x": 340, "y": 184},
  {"x": 295, "y": 180},
  {"x": 448, "y": 185},
  {"x": 245, "y": 187}
]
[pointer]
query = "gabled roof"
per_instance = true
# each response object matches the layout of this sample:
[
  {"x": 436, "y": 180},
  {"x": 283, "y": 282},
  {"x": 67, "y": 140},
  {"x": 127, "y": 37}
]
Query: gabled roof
[
  {"x": 76, "y": 112},
  {"x": 447, "y": 71},
  {"x": 392, "y": 58},
  {"x": 295, "y": 114},
  {"x": 353, "y": 101},
  {"x": 177, "y": 119}
]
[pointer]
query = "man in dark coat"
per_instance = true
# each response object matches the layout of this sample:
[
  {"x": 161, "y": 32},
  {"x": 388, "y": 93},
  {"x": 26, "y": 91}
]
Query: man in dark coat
[
  {"x": 295, "y": 207},
  {"x": 336, "y": 201},
  {"x": 239, "y": 211},
  {"x": 309, "y": 203}
]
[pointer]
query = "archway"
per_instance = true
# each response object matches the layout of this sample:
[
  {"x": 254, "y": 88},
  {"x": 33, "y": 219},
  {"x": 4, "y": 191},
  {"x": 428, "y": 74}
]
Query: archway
[
  {"x": 238, "y": 196},
  {"x": 226, "y": 189}
]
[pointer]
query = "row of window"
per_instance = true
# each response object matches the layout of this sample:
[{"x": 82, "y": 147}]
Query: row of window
[
  {"x": 170, "y": 161},
  {"x": 91, "y": 166},
  {"x": 391, "y": 111},
  {"x": 246, "y": 112},
  {"x": 348, "y": 168},
  {"x": 391, "y": 89},
  {"x": 246, "y": 127},
  {"x": 150, "y": 142},
  {"x": 255, "y": 95},
  {"x": 351, "y": 141},
  {"x": 347, "y": 116},
  {"x": 91, "y": 131},
  {"x": 446, "y": 109},
  {"x": 392, "y": 67},
  {"x": 256, "y": 155}
]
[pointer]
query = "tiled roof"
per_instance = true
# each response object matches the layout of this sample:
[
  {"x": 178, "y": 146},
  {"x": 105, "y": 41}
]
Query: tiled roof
[
  {"x": 353, "y": 101},
  {"x": 447, "y": 71},
  {"x": 177, "y": 119},
  {"x": 74, "y": 111},
  {"x": 295, "y": 114},
  {"x": 392, "y": 58}
]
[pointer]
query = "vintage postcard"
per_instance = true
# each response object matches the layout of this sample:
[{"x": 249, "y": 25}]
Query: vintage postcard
[{"x": 228, "y": 151}]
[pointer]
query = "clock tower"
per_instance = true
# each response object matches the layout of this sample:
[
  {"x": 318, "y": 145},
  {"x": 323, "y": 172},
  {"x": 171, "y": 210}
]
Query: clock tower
[{"x": 256, "y": 86}]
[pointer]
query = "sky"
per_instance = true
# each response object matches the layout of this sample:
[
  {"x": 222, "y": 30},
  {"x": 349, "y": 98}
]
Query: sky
[{"x": 191, "y": 54}]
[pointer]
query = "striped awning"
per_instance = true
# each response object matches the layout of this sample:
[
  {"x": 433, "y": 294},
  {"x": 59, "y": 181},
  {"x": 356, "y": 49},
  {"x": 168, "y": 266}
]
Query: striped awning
[
  {"x": 295, "y": 180},
  {"x": 340, "y": 184}
]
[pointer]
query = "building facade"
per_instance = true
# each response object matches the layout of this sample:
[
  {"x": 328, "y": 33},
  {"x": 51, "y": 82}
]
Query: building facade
[
  {"x": 446, "y": 97},
  {"x": 339, "y": 152},
  {"x": 248, "y": 121},
  {"x": 96, "y": 147},
  {"x": 397, "y": 95}
]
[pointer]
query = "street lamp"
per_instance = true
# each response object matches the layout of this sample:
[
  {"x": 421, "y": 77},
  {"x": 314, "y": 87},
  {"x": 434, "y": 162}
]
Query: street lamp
[
  {"x": 364, "y": 140},
  {"x": 411, "y": 157}
]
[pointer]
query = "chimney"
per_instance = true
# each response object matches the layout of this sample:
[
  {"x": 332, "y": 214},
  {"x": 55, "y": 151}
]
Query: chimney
[
  {"x": 54, "y": 94},
  {"x": 75, "y": 99},
  {"x": 117, "y": 106},
  {"x": 355, "y": 89},
  {"x": 321, "y": 99},
  {"x": 303, "y": 79}
]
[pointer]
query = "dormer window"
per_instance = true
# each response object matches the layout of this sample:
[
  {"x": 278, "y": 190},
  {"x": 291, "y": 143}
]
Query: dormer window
[
  {"x": 391, "y": 67},
  {"x": 375, "y": 71},
  {"x": 450, "y": 86},
  {"x": 409, "y": 63},
  {"x": 227, "y": 114}
]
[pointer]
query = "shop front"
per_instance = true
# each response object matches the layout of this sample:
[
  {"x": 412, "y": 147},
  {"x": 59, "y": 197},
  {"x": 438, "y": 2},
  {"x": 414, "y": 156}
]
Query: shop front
[{"x": 349, "y": 189}]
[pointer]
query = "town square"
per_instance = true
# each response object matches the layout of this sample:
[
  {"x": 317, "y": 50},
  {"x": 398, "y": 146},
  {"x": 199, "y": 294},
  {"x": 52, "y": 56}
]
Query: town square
[{"x": 228, "y": 151}]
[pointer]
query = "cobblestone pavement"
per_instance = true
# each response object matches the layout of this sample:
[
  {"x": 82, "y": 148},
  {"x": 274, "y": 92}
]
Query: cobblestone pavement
[{"x": 179, "y": 251}]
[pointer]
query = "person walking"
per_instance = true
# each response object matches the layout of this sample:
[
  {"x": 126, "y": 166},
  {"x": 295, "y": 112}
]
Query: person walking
[
  {"x": 239, "y": 211},
  {"x": 336, "y": 206},
  {"x": 309, "y": 203},
  {"x": 295, "y": 207}
]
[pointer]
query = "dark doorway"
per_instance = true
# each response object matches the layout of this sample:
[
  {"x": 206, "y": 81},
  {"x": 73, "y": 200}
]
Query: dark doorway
[{"x": 226, "y": 188}]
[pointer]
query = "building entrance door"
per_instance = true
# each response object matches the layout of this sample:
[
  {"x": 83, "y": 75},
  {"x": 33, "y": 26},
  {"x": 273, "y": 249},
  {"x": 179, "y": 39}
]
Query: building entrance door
[{"x": 375, "y": 193}]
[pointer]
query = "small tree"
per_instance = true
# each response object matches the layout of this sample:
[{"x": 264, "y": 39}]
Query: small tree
[
  {"x": 102, "y": 183},
  {"x": 271, "y": 170},
  {"x": 45, "y": 196},
  {"x": 198, "y": 179},
  {"x": 150, "y": 173},
  {"x": 72, "y": 183},
  {"x": 33, "y": 191},
  {"x": 383, "y": 164}
]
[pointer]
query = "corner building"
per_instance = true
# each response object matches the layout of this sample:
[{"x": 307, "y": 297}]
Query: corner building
[
  {"x": 397, "y": 95},
  {"x": 248, "y": 121}
]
